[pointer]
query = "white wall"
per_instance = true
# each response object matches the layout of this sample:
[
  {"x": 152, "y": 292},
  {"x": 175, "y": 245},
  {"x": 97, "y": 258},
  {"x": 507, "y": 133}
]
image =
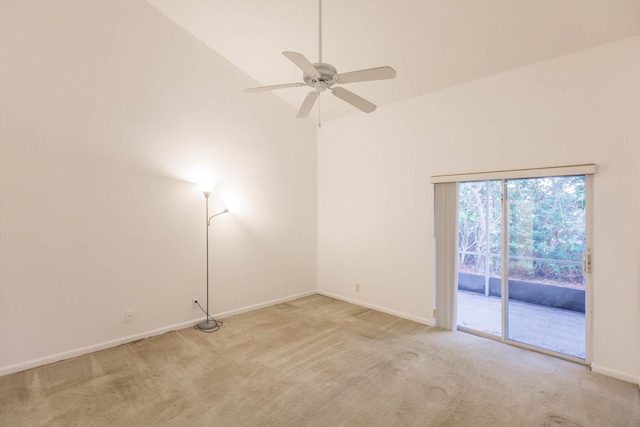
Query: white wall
[
  {"x": 108, "y": 111},
  {"x": 375, "y": 201}
]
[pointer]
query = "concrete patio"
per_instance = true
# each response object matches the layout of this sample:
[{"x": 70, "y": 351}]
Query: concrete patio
[{"x": 553, "y": 329}]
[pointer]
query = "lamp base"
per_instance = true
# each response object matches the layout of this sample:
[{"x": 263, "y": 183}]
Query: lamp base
[{"x": 207, "y": 325}]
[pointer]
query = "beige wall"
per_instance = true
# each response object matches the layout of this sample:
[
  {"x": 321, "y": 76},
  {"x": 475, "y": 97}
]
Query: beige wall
[
  {"x": 375, "y": 200},
  {"x": 108, "y": 111}
]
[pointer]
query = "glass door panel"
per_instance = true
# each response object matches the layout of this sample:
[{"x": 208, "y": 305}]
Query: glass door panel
[
  {"x": 545, "y": 286},
  {"x": 479, "y": 248}
]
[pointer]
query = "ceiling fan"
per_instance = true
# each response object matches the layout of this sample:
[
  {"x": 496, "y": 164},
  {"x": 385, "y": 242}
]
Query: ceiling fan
[{"x": 321, "y": 77}]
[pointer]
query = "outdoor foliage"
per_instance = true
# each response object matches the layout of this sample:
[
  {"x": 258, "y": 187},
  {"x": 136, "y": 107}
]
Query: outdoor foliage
[{"x": 546, "y": 225}]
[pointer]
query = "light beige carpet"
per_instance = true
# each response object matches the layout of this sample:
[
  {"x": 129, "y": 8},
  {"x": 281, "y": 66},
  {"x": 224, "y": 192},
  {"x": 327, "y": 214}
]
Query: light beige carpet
[{"x": 316, "y": 361}]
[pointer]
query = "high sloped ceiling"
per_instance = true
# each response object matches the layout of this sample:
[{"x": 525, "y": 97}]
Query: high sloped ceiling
[{"x": 432, "y": 44}]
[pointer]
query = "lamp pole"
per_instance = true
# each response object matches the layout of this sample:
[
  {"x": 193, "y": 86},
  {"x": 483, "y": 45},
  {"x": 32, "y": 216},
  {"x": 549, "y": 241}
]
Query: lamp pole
[{"x": 209, "y": 324}]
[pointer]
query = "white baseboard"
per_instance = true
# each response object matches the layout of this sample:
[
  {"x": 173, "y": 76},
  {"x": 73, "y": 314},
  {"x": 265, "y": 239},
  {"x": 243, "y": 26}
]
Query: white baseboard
[
  {"x": 428, "y": 322},
  {"x": 615, "y": 374},
  {"x": 263, "y": 305},
  {"x": 34, "y": 363}
]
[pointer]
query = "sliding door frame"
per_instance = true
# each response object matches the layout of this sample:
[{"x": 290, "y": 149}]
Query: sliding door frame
[
  {"x": 447, "y": 305},
  {"x": 504, "y": 261}
]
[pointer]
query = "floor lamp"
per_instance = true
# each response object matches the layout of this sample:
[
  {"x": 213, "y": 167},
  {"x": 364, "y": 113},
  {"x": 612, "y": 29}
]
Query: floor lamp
[{"x": 210, "y": 324}]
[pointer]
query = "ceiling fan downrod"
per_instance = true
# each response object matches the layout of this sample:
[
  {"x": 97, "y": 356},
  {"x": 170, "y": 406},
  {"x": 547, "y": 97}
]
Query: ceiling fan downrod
[{"x": 320, "y": 31}]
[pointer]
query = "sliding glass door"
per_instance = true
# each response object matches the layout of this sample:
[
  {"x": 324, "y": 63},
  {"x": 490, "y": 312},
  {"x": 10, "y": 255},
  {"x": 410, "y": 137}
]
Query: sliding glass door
[
  {"x": 521, "y": 243},
  {"x": 546, "y": 240}
]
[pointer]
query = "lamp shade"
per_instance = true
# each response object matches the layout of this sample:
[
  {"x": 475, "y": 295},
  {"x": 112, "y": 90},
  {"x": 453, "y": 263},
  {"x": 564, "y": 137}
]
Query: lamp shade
[{"x": 206, "y": 187}]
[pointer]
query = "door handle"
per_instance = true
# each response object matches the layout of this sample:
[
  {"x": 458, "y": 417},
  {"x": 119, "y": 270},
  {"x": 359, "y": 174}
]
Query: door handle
[{"x": 586, "y": 262}]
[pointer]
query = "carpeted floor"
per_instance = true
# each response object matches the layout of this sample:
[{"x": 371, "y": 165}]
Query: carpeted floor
[{"x": 316, "y": 361}]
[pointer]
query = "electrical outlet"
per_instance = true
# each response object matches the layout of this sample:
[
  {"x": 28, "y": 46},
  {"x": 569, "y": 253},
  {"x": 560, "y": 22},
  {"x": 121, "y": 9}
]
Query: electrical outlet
[
  {"x": 357, "y": 288},
  {"x": 128, "y": 316}
]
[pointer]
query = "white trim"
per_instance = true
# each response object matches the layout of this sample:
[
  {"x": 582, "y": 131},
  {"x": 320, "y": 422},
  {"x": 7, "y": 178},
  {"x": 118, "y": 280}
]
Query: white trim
[
  {"x": 589, "y": 206},
  {"x": 588, "y": 169},
  {"x": 614, "y": 373},
  {"x": 422, "y": 320},
  {"x": 264, "y": 304},
  {"x": 34, "y": 363}
]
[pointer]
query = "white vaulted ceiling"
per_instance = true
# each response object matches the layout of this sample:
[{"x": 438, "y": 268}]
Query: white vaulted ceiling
[{"x": 432, "y": 44}]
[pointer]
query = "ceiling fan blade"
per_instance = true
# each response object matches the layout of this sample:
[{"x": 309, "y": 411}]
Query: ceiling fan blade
[
  {"x": 379, "y": 73},
  {"x": 353, "y": 99},
  {"x": 307, "y": 105},
  {"x": 265, "y": 88},
  {"x": 302, "y": 62}
]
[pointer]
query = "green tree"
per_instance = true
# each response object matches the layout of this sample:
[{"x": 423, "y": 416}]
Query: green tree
[{"x": 546, "y": 221}]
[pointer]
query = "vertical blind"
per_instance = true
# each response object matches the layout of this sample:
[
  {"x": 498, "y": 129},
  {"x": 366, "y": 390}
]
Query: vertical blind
[{"x": 446, "y": 230}]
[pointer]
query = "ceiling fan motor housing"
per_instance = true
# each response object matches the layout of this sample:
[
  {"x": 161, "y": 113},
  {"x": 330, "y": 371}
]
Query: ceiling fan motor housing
[{"x": 327, "y": 76}]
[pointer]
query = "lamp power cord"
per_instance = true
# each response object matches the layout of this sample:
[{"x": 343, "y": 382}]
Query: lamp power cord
[{"x": 218, "y": 323}]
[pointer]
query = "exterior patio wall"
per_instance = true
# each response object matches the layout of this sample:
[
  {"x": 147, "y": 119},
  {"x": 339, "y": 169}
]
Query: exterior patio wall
[{"x": 533, "y": 293}]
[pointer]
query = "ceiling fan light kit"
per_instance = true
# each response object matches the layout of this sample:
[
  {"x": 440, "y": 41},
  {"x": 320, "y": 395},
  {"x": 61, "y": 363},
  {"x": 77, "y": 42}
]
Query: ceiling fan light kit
[{"x": 321, "y": 77}]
